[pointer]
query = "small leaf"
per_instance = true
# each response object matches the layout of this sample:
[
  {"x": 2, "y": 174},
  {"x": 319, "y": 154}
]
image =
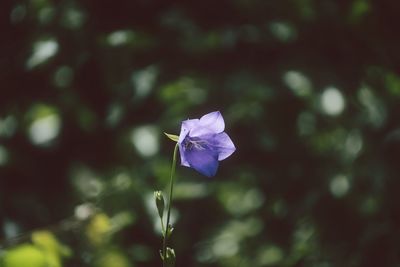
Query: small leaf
[{"x": 173, "y": 137}]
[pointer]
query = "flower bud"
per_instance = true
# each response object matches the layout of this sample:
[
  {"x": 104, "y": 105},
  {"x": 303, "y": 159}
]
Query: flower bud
[
  {"x": 170, "y": 257},
  {"x": 158, "y": 196},
  {"x": 170, "y": 229}
]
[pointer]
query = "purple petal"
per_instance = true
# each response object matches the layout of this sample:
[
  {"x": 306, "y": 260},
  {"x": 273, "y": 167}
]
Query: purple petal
[
  {"x": 186, "y": 127},
  {"x": 182, "y": 152},
  {"x": 204, "y": 161},
  {"x": 211, "y": 123},
  {"x": 223, "y": 145}
]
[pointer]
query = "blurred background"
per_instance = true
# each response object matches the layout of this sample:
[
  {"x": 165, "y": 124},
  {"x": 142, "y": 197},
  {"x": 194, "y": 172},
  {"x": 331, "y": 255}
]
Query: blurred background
[{"x": 310, "y": 95}]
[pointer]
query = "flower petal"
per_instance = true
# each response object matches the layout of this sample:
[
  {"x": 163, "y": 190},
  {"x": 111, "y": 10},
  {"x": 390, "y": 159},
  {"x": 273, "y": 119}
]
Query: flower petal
[
  {"x": 204, "y": 161},
  {"x": 182, "y": 152},
  {"x": 211, "y": 123},
  {"x": 214, "y": 121},
  {"x": 186, "y": 127},
  {"x": 223, "y": 145}
]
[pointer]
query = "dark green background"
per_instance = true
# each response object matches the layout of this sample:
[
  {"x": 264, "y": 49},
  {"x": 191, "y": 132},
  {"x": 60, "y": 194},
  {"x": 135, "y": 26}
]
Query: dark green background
[{"x": 312, "y": 183}]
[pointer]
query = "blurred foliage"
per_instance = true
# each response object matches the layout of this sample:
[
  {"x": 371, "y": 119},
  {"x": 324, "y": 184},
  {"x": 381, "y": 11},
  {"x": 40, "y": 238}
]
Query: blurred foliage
[
  {"x": 45, "y": 251},
  {"x": 310, "y": 94}
]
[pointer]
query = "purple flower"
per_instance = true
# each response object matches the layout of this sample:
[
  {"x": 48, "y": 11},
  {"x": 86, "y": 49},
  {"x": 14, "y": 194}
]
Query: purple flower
[{"x": 203, "y": 143}]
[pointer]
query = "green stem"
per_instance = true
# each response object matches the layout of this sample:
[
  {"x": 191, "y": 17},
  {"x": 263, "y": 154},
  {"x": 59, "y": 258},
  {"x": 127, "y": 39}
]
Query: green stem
[
  {"x": 162, "y": 225},
  {"x": 171, "y": 190}
]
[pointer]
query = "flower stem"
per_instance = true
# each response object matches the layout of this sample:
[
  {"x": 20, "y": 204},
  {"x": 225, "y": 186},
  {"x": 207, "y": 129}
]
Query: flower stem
[{"x": 171, "y": 190}]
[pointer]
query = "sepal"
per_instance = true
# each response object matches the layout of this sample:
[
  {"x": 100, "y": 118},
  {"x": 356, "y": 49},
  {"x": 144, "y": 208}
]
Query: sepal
[{"x": 173, "y": 137}]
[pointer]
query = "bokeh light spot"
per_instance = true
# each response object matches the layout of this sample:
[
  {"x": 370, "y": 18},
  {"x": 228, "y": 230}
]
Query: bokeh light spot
[
  {"x": 10, "y": 228},
  {"x": 332, "y": 101},
  {"x": 45, "y": 124},
  {"x": 339, "y": 186},
  {"x": 240, "y": 201},
  {"x": 120, "y": 37},
  {"x": 73, "y": 18},
  {"x": 146, "y": 140},
  {"x": 8, "y": 126},
  {"x": 112, "y": 258},
  {"x": 122, "y": 181},
  {"x": 225, "y": 246},
  {"x": 374, "y": 108},
  {"x": 283, "y": 31},
  {"x": 63, "y": 77},
  {"x": 44, "y": 130},
  {"x": 42, "y": 51},
  {"x": 270, "y": 255},
  {"x": 46, "y": 14},
  {"x": 353, "y": 144},
  {"x": 84, "y": 211},
  {"x": 189, "y": 190},
  {"x": 186, "y": 90},
  {"x": 298, "y": 83},
  {"x": 143, "y": 81},
  {"x": 86, "y": 182},
  {"x": 114, "y": 114}
]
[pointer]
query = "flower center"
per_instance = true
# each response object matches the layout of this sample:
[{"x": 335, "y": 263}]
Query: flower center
[{"x": 191, "y": 143}]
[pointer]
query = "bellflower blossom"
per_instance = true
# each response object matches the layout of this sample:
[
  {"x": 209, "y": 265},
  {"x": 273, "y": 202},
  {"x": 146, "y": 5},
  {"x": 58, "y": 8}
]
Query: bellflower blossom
[{"x": 203, "y": 143}]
